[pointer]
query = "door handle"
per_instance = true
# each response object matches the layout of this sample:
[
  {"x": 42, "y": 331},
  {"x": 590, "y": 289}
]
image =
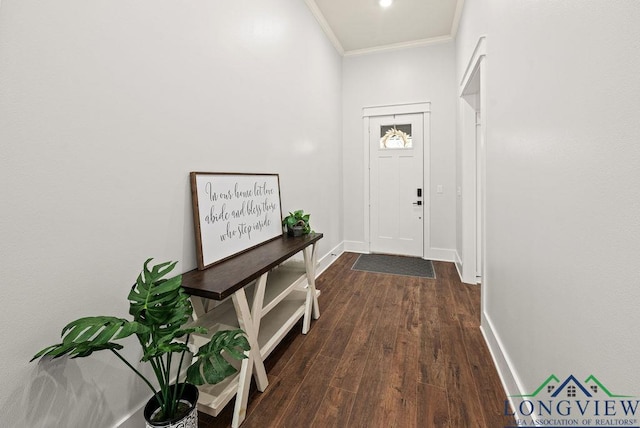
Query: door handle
[{"x": 417, "y": 203}]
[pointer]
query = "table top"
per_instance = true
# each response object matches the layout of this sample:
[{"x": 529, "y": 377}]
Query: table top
[{"x": 225, "y": 278}]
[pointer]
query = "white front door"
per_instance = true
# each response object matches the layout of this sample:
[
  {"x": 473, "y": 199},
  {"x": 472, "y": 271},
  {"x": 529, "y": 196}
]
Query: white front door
[{"x": 396, "y": 184}]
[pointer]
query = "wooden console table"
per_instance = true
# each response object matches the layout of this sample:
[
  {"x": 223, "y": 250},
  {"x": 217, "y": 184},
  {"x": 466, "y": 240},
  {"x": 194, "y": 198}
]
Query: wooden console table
[{"x": 279, "y": 294}]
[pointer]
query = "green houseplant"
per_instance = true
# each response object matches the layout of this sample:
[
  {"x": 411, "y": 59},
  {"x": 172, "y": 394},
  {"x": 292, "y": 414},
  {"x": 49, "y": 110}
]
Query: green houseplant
[
  {"x": 160, "y": 309},
  {"x": 297, "y": 223}
]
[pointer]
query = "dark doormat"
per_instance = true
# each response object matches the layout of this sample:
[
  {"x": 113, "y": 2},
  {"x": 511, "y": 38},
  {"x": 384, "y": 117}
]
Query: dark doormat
[{"x": 395, "y": 265}]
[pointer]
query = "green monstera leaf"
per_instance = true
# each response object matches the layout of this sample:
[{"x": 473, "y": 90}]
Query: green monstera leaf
[
  {"x": 157, "y": 302},
  {"x": 82, "y": 337},
  {"x": 163, "y": 307},
  {"x": 210, "y": 365}
]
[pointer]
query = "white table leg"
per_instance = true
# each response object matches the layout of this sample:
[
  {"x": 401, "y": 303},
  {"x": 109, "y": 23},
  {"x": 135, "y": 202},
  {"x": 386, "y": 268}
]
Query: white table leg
[
  {"x": 242, "y": 395},
  {"x": 253, "y": 362},
  {"x": 199, "y": 306},
  {"x": 258, "y": 300},
  {"x": 309, "y": 254},
  {"x": 245, "y": 320}
]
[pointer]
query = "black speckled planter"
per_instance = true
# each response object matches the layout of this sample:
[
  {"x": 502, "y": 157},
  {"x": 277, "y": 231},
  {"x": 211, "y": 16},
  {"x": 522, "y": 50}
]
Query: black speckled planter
[{"x": 190, "y": 420}]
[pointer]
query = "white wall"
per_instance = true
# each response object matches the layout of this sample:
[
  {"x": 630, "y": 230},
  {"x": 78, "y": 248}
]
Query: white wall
[
  {"x": 395, "y": 77},
  {"x": 563, "y": 230},
  {"x": 105, "y": 107}
]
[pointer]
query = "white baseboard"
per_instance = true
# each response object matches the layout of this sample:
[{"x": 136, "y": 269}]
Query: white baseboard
[
  {"x": 134, "y": 420},
  {"x": 508, "y": 377},
  {"x": 328, "y": 259},
  {"x": 459, "y": 267},
  {"x": 356, "y": 247},
  {"x": 440, "y": 254},
  {"x": 436, "y": 254},
  {"x": 458, "y": 263}
]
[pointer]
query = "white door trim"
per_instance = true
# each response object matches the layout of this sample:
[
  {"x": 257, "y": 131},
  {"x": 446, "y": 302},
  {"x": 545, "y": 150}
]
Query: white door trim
[
  {"x": 390, "y": 110},
  {"x": 473, "y": 92},
  {"x": 479, "y": 52}
]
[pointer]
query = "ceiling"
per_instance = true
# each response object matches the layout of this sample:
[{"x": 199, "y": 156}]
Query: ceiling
[{"x": 360, "y": 26}]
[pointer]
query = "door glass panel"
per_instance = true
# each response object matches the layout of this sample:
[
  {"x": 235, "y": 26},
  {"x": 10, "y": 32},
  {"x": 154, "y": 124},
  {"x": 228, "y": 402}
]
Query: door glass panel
[{"x": 396, "y": 137}]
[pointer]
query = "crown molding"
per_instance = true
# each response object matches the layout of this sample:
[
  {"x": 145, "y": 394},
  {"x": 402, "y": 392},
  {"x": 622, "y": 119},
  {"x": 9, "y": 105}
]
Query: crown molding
[
  {"x": 315, "y": 10},
  {"x": 456, "y": 18},
  {"x": 317, "y": 13},
  {"x": 403, "y": 45}
]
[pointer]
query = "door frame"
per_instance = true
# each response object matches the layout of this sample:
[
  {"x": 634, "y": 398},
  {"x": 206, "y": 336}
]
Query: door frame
[
  {"x": 423, "y": 108},
  {"x": 473, "y": 100}
]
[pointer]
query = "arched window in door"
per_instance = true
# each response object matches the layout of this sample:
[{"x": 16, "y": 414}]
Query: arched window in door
[{"x": 396, "y": 137}]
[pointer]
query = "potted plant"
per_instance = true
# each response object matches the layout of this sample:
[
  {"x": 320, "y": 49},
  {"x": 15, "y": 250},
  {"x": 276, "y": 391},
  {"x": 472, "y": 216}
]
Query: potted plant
[
  {"x": 297, "y": 223},
  {"x": 160, "y": 309}
]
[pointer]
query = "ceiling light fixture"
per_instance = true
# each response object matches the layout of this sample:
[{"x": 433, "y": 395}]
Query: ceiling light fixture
[{"x": 385, "y": 3}]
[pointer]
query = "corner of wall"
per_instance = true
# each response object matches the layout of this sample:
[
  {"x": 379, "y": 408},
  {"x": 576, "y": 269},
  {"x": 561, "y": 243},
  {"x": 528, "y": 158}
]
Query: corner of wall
[
  {"x": 508, "y": 376},
  {"x": 356, "y": 247},
  {"x": 458, "y": 263},
  {"x": 441, "y": 254}
]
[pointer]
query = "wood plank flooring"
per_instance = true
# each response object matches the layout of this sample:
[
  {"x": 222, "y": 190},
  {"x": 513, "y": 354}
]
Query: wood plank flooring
[{"x": 387, "y": 351}]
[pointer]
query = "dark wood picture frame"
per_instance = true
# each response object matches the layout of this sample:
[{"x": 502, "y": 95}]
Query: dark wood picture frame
[{"x": 233, "y": 213}]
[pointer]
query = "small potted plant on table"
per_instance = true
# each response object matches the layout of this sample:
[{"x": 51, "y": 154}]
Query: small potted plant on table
[
  {"x": 160, "y": 309},
  {"x": 297, "y": 223}
]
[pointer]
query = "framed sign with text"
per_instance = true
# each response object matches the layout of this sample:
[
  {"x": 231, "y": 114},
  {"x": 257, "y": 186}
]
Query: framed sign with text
[{"x": 233, "y": 213}]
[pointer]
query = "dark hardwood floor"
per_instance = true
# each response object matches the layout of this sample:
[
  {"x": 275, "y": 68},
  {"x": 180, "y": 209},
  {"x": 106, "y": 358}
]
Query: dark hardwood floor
[{"x": 387, "y": 351}]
